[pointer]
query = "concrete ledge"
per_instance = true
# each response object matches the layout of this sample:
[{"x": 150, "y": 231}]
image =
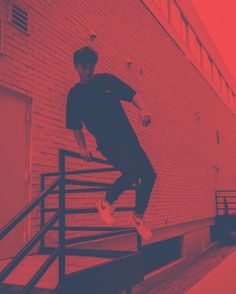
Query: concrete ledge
[
  {"x": 159, "y": 276},
  {"x": 128, "y": 242}
]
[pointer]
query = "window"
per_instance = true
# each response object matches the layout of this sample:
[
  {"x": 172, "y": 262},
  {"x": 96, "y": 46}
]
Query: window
[
  {"x": 178, "y": 21},
  {"x": 194, "y": 44},
  {"x": 211, "y": 65},
  {"x": 228, "y": 94},
  {"x": 199, "y": 51},
  {"x": 231, "y": 99},
  {"x": 163, "y": 6},
  {"x": 206, "y": 62},
  {"x": 224, "y": 87},
  {"x": 175, "y": 17},
  {"x": 216, "y": 76},
  {"x": 183, "y": 29}
]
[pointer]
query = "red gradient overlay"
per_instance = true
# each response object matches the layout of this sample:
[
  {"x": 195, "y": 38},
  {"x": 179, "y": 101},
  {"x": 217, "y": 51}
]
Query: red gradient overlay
[
  {"x": 219, "y": 19},
  {"x": 186, "y": 141}
]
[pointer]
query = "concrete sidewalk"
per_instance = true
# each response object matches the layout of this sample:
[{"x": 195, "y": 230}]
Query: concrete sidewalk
[{"x": 222, "y": 279}]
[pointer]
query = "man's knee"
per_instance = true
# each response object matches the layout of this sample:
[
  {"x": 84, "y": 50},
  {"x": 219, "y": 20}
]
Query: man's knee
[
  {"x": 153, "y": 175},
  {"x": 150, "y": 174},
  {"x": 131, "y": 175}
]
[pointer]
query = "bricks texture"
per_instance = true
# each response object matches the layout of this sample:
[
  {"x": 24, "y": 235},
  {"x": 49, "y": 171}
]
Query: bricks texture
[{"x": 183, "y": 149}]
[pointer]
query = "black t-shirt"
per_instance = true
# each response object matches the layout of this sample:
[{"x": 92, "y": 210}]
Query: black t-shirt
[{"x": 97, "y": 104}]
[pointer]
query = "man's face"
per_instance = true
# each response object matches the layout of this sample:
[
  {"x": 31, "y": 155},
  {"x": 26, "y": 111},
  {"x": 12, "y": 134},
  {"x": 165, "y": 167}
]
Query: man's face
[{"x": 85, "y": 71}]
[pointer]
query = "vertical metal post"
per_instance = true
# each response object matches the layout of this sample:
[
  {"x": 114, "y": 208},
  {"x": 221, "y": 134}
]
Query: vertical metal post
[
  {"x": 139, "y": 239},
  {"x": 42, "y": 216},
  {"x": 216, "y": 199},
  {"x": 62, "y": 215},
  {"x": 226, "y": 220},
  {"x": 139, "y": 242},
  {"x": 226, "y": 207}
]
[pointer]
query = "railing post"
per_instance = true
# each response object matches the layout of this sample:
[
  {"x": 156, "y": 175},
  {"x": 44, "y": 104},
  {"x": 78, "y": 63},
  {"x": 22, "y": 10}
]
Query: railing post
[
  {"x": 226, "y": 220},
  {"x": 139, "y": 239},
  {"x": 62, "y": 263},
  {"x": 216, "y": 202},
  {"x": 139, "y": 242},
  {"x": 226, "y": 208},
  {"x": 42, "y": 215}
]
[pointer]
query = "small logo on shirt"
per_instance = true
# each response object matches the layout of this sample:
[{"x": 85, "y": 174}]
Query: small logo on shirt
[{"x": 107, "y": 91}]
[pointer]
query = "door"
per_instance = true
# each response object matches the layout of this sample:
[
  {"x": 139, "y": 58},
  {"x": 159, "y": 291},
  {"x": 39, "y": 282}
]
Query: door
[{"x": 14, "y": 152}]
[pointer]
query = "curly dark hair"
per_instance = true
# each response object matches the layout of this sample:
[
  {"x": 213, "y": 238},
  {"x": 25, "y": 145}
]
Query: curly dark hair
[{"x": 85, "y": 55}]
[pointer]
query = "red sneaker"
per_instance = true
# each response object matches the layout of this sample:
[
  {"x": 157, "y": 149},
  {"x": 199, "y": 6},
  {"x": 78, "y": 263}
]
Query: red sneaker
[
  {"x": 141, "y": 227},
  {"x": 106, "y": 211}
]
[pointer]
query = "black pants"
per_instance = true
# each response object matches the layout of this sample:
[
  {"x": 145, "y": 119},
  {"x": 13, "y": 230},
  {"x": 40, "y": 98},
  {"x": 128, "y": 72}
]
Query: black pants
[{"x": 133, "y": 163}]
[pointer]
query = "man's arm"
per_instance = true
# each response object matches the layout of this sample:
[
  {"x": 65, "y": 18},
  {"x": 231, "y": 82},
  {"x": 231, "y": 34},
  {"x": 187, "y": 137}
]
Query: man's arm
[
  {"x": 80, "y": 139},
  {"x": 144, "y": 116}
]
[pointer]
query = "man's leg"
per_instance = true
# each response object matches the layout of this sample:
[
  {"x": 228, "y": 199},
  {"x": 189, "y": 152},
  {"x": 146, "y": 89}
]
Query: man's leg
[
  {"x": 123, "y": 161},
  {"x": 143, "y": 192},
  {"x": 148, "y": 176},
  {"x": 132, "y": 162}
]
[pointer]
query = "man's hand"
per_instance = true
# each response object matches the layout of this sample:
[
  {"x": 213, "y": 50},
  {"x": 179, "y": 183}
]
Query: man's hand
[
  {"x": 86, "y": 155},
  {"x": 144, "y": 118}
]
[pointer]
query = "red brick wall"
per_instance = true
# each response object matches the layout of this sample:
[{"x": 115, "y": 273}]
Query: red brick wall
[{"x": 183, "y": 149}]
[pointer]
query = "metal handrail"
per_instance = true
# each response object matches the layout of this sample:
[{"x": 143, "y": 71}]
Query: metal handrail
[
  {"x": 86, "y": 183},
  {"x": 85, "y": 190},
  {"x": 225, "y": 191},
  {"x": 85, "y": 210},
  {"x": 222, "y": 200},
  {"x": 99, "y": 236},
  {"x": 94, "y": 186},
  {"x": 18, "y": 258},
  {"x": 63, "y": 152},
  {"x": 61, "y": 192},
  {"x": 62, "y": 238},
  {"x": 26, "y": 249},
  {"x": 27, "y": 209},
  {"x": 223, "y": 196},
  {"x": 81, "y": 171},
  {"x": 59, "y": 216},
  {"x": 74, "y": 154}
]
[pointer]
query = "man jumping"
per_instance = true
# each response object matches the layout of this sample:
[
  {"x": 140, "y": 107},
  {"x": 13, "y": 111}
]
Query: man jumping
[{"x": 95, "y": 101}]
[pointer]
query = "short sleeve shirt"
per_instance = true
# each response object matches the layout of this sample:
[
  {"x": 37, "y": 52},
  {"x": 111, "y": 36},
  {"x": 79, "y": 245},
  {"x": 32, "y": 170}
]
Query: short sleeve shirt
[{"x": 97, "y": 105}]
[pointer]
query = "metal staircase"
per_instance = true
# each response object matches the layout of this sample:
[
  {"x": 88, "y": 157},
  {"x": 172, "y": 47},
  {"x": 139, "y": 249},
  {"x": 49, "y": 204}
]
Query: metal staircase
[
  {"x": 116, "y": 270},
  {"x": 225, "y": 213}
]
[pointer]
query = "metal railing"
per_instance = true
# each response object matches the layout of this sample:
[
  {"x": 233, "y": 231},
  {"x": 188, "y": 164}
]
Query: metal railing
[
  {"x": 60, "y": 214},
  {"x": 225, "y": 202},
  {"x": 26, "y": 249}
]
